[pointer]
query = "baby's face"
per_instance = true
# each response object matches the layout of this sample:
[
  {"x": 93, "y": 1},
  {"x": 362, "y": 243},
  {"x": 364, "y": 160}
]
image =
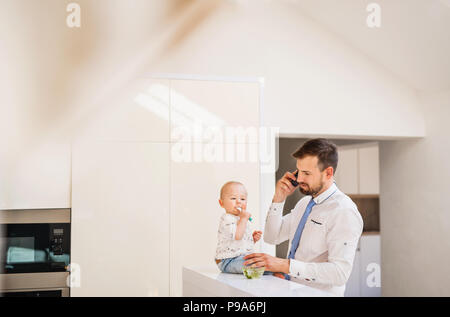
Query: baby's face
[{"x": 234, "y": 196}]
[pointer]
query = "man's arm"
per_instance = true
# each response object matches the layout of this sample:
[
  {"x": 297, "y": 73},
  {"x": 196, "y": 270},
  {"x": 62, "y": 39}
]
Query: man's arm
[
  {"x": 277, "y": 227},
  {"x": 342, "y": 239}
]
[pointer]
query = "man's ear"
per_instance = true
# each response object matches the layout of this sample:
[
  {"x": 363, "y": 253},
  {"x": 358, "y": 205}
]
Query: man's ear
[{"x": 329, "y": 172}]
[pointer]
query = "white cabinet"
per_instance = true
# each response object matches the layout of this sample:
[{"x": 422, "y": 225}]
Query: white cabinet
[
  {"x": 120, "y": 219},
  {"x": 347, "y": 171},
  {"x": 215, "y": 151},
  {"x": 369, "y": 177},
  {"x": 39, "y": 177},
  {"x": 195, "y": 211},
  {"x": 365, "y": 279},
  {"x": 207, "y": 110},
  {"x": 353, "y": 288},
  {"x": 370, "y": 269},
  {"x": 145, "y": 194},
  {"x": 358, "y": 169},
  {"x": 139, "y": 112},
  {"x": 120, "y": 197}
]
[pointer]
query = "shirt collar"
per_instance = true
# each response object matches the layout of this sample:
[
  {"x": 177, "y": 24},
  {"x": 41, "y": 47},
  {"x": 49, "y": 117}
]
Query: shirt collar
[{"x": 322, "y": 197}]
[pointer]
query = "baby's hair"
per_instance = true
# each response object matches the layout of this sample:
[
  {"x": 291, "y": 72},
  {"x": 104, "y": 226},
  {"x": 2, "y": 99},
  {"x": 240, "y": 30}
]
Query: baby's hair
[{"x": 222, "y": 190}]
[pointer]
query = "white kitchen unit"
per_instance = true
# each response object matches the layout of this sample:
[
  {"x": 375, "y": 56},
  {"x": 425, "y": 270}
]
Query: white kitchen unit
[
  {"x": 120, "y": 194},
  {"x": 139, "y": 112},
  {"x": 195, "y": 211},
  {"x": 358, "y": 169},
  {"x": 145, "y": 192},
  {"x": 347, "y": 170},
  {"x": 37, "y": 178},
  {"x": 369, "y": 170},
  {"x": 196, "y": 108},
  {"x": 120, "y": 219},
  {"x": 214, "y": 156},
  {"x": 365, "y": 279},
  {"x": 210, "y": 282},
  {"x": 370, "y": 268}
]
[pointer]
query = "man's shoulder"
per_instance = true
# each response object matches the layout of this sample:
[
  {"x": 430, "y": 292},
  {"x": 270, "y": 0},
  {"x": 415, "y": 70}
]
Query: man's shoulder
[
  {"x": 342, "y": 200},
  {"x": 303, "y": 200},
  {"x": 301, "y": 204},
  {"x": 343, "y": 204}
]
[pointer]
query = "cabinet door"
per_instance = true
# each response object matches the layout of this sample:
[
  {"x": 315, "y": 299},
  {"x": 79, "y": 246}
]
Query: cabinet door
[
  {"x": 206, "y": 110},
  {"x": 218, "y": 124},
  {"x": 195, "y": 211},
  {"x": 369, "y": 170},
  {"x": 370, "y": 265},
  {"x": 120, "y": 219},
  {"x": 347, "y": 171},
  {"x": 138, "y": 112},
  {"x": 36, "y": 178}
]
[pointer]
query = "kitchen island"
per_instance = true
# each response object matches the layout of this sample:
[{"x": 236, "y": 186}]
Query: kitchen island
[{"x": 210, "y": 282}]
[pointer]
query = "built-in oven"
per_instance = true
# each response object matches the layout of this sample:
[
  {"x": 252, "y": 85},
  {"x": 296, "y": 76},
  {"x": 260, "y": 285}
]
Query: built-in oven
[{"x": 34, "y": 252}]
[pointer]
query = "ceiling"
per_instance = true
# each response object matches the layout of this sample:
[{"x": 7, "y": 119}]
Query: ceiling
[{"x": 413, "y": 41}]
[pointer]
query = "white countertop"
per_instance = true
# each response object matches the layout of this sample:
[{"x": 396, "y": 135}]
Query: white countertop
[{"x": 209, "y": 281}]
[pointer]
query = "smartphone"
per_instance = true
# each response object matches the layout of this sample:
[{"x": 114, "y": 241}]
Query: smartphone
[{"x": 295, "y": 183}]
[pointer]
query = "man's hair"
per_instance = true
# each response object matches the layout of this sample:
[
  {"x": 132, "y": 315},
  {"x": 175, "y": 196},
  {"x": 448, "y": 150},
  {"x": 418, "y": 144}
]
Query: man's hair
[
  {"x": 325, "y": 150},
  {"x": 224, "y": 187}
]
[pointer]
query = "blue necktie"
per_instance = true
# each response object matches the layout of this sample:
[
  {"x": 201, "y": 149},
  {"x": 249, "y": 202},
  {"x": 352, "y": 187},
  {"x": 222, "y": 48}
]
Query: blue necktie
[{"x": 298, "y": 233}]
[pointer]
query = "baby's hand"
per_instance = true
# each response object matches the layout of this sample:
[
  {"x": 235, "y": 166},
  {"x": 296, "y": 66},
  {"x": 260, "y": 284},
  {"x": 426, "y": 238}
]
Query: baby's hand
[
  {"x": 257, "y": 235},
  {"x": 243, "y": 213}
]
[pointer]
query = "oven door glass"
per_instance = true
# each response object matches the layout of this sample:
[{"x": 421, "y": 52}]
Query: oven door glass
[{"x": 32, "y": 248}]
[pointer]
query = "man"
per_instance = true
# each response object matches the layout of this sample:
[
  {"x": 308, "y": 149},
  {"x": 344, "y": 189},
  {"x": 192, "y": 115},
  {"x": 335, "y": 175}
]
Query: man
[{"x": 323, "y": 228}]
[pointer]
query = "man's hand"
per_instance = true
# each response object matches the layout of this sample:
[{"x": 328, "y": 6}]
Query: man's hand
[
  {"x": 257, "y": 235},
  {"x": 271, "y": 263},
  {"x": 284, "y": 188}
]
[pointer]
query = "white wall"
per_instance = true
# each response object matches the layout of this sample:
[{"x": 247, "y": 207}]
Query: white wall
[
  {"x": 315, "y": 83},
  {"x": 53, "y": 76},
  {"x": 415, "y": 221}
]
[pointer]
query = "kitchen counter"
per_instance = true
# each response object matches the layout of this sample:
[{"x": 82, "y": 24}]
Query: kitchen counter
[{"x": 210, "y": 282}]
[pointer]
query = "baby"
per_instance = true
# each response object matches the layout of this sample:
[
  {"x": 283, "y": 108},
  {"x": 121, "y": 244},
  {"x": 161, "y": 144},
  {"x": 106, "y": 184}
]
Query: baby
[{"x": 235, "y": 239}]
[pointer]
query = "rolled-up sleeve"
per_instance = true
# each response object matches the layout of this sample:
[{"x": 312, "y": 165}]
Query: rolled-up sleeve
[
  {"x": 343, "y": 232},
  {"x": 276, "y": 229}
]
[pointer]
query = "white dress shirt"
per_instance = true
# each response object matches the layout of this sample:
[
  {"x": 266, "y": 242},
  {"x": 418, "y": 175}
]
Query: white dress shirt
[{"x": 324, "y": 257}]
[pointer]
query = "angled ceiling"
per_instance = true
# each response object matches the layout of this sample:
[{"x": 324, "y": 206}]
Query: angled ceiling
[{"x": 413, "y": 41}]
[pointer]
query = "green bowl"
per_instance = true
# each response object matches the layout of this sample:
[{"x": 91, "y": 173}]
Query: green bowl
[{"x": 253, "y": 272}]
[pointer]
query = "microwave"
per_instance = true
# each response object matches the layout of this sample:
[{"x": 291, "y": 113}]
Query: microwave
[
  {"x": 34, "y": 251},
  {"x": 34, "y": 241}
]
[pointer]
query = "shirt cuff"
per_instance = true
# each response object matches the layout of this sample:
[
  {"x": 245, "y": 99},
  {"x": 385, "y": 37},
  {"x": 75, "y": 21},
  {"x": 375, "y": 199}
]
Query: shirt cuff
[
  {"x": 276, "y": 208},
  {"x": 298, "y": 270}
]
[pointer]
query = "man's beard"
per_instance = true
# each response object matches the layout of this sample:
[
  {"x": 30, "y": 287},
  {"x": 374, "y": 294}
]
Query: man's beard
[{"x": 310, "y": 191}]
